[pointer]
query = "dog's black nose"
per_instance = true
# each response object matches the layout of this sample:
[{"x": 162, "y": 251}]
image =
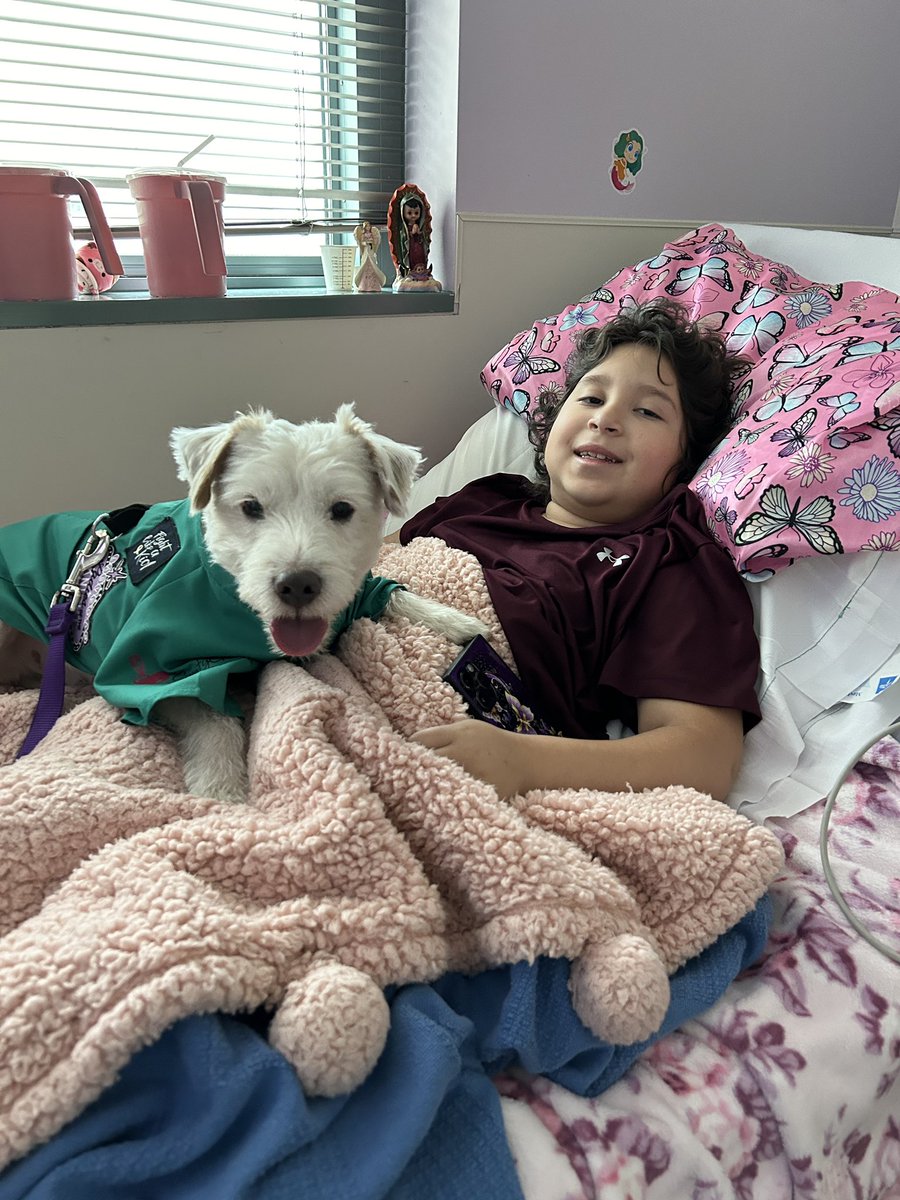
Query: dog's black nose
[{"x": 298, "y": 588}]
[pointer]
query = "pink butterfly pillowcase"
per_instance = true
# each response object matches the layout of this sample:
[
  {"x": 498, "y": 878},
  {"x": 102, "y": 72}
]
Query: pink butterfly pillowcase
[{"x": 812, "y": 462}]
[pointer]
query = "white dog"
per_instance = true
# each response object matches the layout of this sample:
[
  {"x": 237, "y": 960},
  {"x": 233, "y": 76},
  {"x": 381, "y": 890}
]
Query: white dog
[{"x": 269, "y": 557}]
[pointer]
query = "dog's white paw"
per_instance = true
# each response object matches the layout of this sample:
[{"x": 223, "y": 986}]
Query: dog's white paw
[
  {"x": 224, "y": 787},
  {"x": 212, "y": 748},
  {"x": 458, "y": 626}
]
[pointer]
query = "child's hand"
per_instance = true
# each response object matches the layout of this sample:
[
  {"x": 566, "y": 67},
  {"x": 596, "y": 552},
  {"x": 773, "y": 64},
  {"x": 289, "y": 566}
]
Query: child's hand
[{"x": 494, "y": 755}]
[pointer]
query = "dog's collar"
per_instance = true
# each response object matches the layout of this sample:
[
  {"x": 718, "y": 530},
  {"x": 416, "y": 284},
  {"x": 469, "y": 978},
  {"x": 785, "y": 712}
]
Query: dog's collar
[{"x": 123, "y": 520}]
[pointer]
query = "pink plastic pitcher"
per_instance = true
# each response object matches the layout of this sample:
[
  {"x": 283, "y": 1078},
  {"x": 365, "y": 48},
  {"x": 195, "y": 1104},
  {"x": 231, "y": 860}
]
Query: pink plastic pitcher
[
  {"x": 37, "y": 258},
  {"x": 180, "y": 219}
]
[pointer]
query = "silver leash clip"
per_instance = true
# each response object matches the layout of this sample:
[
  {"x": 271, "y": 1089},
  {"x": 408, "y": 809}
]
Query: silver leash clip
[{"x": 93, "y": 552}]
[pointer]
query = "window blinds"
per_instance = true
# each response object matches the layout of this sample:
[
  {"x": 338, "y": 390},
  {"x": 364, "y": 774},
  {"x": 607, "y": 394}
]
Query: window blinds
[{"x": 303, "y": 101}]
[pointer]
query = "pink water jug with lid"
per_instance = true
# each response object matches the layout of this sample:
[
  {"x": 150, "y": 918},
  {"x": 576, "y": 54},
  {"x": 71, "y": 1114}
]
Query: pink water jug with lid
[
  {"x": 180, "y": 221},
  {"x": 37, "y": 257}
]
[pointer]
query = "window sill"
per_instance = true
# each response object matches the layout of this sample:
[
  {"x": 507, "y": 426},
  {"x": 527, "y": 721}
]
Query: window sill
[{"x": 244, "y": 304}]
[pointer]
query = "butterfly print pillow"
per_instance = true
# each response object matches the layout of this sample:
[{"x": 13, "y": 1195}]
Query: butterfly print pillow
[{"x": 812, "y": 462}]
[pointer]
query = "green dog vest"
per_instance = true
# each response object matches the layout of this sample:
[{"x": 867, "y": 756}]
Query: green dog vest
[{"x": 157, "y": 618}]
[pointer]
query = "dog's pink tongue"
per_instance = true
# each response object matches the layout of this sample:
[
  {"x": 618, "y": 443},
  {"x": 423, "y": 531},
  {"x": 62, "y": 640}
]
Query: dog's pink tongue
[{"x": 298, "y": 636}]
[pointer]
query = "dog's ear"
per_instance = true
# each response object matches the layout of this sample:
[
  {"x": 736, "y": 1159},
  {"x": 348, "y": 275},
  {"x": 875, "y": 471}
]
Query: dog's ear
[
  {"x": 396, "y": 465},
  {"x": 201, "y": 453}
]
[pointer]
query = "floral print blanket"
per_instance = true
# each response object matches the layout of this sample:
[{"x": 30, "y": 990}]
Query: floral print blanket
[{"x": 789, "y": 1086}]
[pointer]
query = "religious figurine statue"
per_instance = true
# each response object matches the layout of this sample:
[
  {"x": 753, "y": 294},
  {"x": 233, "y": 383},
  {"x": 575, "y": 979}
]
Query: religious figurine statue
[
  {"x": 369, "y": 276},
  {"x": 409, "y": 231}
]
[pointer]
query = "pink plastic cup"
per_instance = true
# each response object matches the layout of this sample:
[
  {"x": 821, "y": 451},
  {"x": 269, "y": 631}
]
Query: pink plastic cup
[
  {"x": 37, "y": 257},
  {"x": 180, "y": 221}
]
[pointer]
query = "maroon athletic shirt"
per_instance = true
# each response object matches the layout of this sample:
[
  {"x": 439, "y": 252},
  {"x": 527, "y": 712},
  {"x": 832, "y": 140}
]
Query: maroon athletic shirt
[{"x": 601, "y": 617}]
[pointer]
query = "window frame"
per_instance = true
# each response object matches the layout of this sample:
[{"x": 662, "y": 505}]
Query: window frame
[{"x": 278, "y": 272}]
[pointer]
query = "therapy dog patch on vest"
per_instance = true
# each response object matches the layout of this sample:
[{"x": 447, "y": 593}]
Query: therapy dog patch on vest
[
  {"x": 94, "y": 586},
  {"x": 153, "y": 551}
]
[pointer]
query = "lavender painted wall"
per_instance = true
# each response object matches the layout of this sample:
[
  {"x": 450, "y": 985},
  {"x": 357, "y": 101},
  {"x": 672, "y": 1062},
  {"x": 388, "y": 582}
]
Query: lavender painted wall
[
  {"x": 783, "y": 111},
  {"x": 431, "y": 134}
]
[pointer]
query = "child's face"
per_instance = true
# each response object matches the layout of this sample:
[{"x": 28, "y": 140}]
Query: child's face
[{"x": 612, "y": 447}]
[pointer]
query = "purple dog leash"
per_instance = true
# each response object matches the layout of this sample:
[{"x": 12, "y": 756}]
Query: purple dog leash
[{"x": 63, "y": 609}]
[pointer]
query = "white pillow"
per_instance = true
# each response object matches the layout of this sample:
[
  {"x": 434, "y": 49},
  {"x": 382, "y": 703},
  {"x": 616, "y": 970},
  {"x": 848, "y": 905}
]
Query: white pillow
[
  {"x": 497, "y": 442},
  {"x": 826, "y": 254}
]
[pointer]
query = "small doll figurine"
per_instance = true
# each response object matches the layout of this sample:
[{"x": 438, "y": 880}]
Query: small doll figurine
[
  {"x": 409, "y": 230},
  {"x": 91, "y": 276},
  {"x": 369, "y": 277}
]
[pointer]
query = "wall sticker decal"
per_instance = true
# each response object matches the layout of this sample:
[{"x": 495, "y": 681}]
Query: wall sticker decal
[{"x": 628, "y": 155}]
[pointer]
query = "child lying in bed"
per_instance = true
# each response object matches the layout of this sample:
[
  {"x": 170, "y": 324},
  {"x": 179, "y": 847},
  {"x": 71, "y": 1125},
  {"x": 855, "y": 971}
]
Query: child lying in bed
[{"x": 617, "y": 602}]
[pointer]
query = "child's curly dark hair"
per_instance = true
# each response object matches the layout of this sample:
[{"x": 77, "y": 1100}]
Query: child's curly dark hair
[{"x": 704, "y": 372}]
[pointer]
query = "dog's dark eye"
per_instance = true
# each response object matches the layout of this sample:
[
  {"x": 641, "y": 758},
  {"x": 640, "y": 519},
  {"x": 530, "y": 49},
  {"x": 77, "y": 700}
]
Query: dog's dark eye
[
  {"x": 341, "y": 510},
  {"x": 252, "y": 508}
]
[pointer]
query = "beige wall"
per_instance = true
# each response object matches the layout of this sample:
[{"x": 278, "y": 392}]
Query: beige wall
[{"x": 87, "y": 411}]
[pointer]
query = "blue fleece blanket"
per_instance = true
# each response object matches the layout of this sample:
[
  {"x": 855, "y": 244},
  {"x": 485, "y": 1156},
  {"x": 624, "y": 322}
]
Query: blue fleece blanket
[{"x": 211, "y": 1112}]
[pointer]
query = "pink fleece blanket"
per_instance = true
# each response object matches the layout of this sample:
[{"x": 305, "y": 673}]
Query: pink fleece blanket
[{"x": 361, "y": 860}]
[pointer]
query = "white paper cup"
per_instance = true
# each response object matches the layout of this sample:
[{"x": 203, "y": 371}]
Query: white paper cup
[{"x": 337, "y": 266}]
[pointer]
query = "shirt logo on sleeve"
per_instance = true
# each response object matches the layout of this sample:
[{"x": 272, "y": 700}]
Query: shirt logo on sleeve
[
  {"x": 153, "y": 551},
  {"x": 606, "y": 555}
]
